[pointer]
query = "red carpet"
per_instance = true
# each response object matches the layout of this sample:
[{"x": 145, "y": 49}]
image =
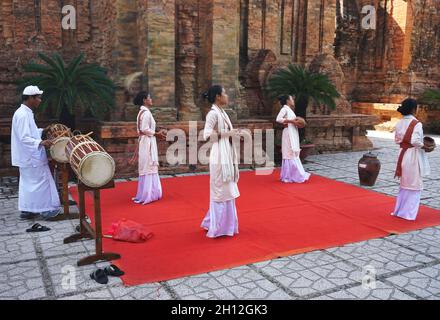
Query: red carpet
[{"x": 275, "y": 219}]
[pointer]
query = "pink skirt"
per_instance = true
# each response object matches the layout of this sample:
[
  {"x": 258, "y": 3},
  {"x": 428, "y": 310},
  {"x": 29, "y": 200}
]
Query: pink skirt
[
  {"x": 407, "y": 205},
  {"x": 293, "y": 171},
  {"x": 221, "y": 219},
  {"x": 149, "y": 189}
]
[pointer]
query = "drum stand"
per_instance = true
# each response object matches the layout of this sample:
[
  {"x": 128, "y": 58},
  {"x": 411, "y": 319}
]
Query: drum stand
[
  {"x": 86, "y": 230},
  {"x": 64, "y": 168}
]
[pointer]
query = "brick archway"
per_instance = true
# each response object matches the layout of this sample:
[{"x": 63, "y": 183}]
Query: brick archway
[{"x": 256, "y": 75}]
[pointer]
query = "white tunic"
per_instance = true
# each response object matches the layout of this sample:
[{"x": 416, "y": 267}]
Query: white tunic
[
  {"x": 148, "y": 153},
  {"x": 25, "y": 140},
  {"x": 414, "y": 163},
  {"x": 290, "y": 141},
  {"x": 37, "y": 191},
  {"x": 220, "y": 190}
]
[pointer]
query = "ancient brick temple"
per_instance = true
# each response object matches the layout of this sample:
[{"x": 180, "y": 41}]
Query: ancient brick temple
[{"x": 177, "y": 48}]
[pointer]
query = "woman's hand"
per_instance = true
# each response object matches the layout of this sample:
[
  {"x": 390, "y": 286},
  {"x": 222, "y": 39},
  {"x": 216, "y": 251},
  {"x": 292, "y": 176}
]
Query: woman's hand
[
  {"x": 162, "y": 134},
  {"x": 427, "y": 148},
  {"x": 287, "y": 122}
]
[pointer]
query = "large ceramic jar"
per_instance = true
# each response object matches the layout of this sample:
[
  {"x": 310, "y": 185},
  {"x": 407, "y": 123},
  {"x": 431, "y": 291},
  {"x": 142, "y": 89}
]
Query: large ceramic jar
[{"x": 369, "y": 168}]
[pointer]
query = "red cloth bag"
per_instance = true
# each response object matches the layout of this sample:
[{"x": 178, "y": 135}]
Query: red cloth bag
[{"x": 130, "y": 231}]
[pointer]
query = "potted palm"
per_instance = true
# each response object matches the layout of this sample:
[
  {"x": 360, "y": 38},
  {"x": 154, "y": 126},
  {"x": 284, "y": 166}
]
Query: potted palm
[
  {"x": 305, "y": 86},
  {"x": 68, "y": 86}
]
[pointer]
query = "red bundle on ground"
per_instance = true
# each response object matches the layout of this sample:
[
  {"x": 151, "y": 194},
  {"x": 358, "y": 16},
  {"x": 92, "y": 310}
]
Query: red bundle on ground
[{"x": 130, "y": 231}]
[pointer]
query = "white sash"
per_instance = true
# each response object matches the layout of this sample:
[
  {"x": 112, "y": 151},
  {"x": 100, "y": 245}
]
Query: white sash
[
  {"x": 293, "y": 132},
  {"x": 228, "y": 154},
  {"x": 153, "y": 145}
]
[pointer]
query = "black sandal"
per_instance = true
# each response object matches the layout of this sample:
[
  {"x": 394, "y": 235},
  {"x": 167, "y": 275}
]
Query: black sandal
[
  {"x": 114, "y": 271},
  {"x": 99, "y": 276},
  {"x": 38, "y": 228}
]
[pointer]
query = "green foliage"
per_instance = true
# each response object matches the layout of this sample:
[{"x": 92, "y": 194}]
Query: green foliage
[
  {"x": 68, "y": 86},
  {"x": 432, "y": 97},
  {"x": 295, "y": 80}
]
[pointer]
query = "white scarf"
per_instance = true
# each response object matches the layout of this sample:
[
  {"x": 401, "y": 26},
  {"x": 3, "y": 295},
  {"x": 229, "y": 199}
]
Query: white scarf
[
  {"x": 293, "y": 131},
  {"x": 228, "y": 153},
  {"x": 154, "y": 159}
]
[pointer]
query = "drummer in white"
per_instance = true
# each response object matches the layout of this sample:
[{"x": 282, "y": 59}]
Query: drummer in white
[{"x": 37, "y": 194}]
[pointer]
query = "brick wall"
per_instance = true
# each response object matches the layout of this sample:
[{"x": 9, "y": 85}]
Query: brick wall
[
  {"x": 161, "y": 56},
  {"x": 177, "y": 49}
]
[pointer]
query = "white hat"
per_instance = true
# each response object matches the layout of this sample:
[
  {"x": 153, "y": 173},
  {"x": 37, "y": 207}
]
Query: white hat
[{"x": 32, "y": 91}]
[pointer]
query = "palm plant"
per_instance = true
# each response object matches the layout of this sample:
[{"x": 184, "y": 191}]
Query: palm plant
[
  {"x": 67, "y": 86},
  {"x": 431, "y": 96},
  {"x": 304, "y": 85}
]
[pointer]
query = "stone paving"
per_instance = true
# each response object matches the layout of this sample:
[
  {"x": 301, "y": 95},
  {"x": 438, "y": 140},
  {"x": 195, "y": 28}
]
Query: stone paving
[{"x": 406, "y": 266}]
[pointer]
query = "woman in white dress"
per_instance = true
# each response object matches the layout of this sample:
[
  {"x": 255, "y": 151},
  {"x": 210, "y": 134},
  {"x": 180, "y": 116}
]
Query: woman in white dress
[
  {"x": 292, "y": 169},
  {"x": 412, "y": 164},
  {"x": 149, "y": 186},
  {"x": 221, "y": 219}
]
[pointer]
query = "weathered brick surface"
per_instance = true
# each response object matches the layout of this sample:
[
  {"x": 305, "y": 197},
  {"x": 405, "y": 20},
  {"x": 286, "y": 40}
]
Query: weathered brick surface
[
  {"x": 186, "y": 60},
  {"x": 398, "y": 59},
  {"x": 161, "y": 56},
  {"x": 225, "y": 65},
  {"x": 176, "y": 49}
]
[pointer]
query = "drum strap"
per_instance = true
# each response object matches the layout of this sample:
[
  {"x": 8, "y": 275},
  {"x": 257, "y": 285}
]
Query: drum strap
[{"x": 405, "y": 145}]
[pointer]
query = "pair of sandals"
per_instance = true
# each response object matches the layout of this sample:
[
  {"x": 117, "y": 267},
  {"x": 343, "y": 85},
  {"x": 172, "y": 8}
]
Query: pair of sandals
[
  {"x": 101, "y": 275},
  {"x": 38, "y": 228}
]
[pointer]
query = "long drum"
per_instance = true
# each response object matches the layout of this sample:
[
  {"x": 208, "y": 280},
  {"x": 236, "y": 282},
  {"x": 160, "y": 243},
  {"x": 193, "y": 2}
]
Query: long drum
[
  {"x": 60, "y": 135},
  {"x": 93, "y": 165}
]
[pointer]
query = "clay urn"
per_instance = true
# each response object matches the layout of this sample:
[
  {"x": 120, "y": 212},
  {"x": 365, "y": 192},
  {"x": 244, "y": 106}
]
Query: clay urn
[{"x": 368, "y": 168}]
